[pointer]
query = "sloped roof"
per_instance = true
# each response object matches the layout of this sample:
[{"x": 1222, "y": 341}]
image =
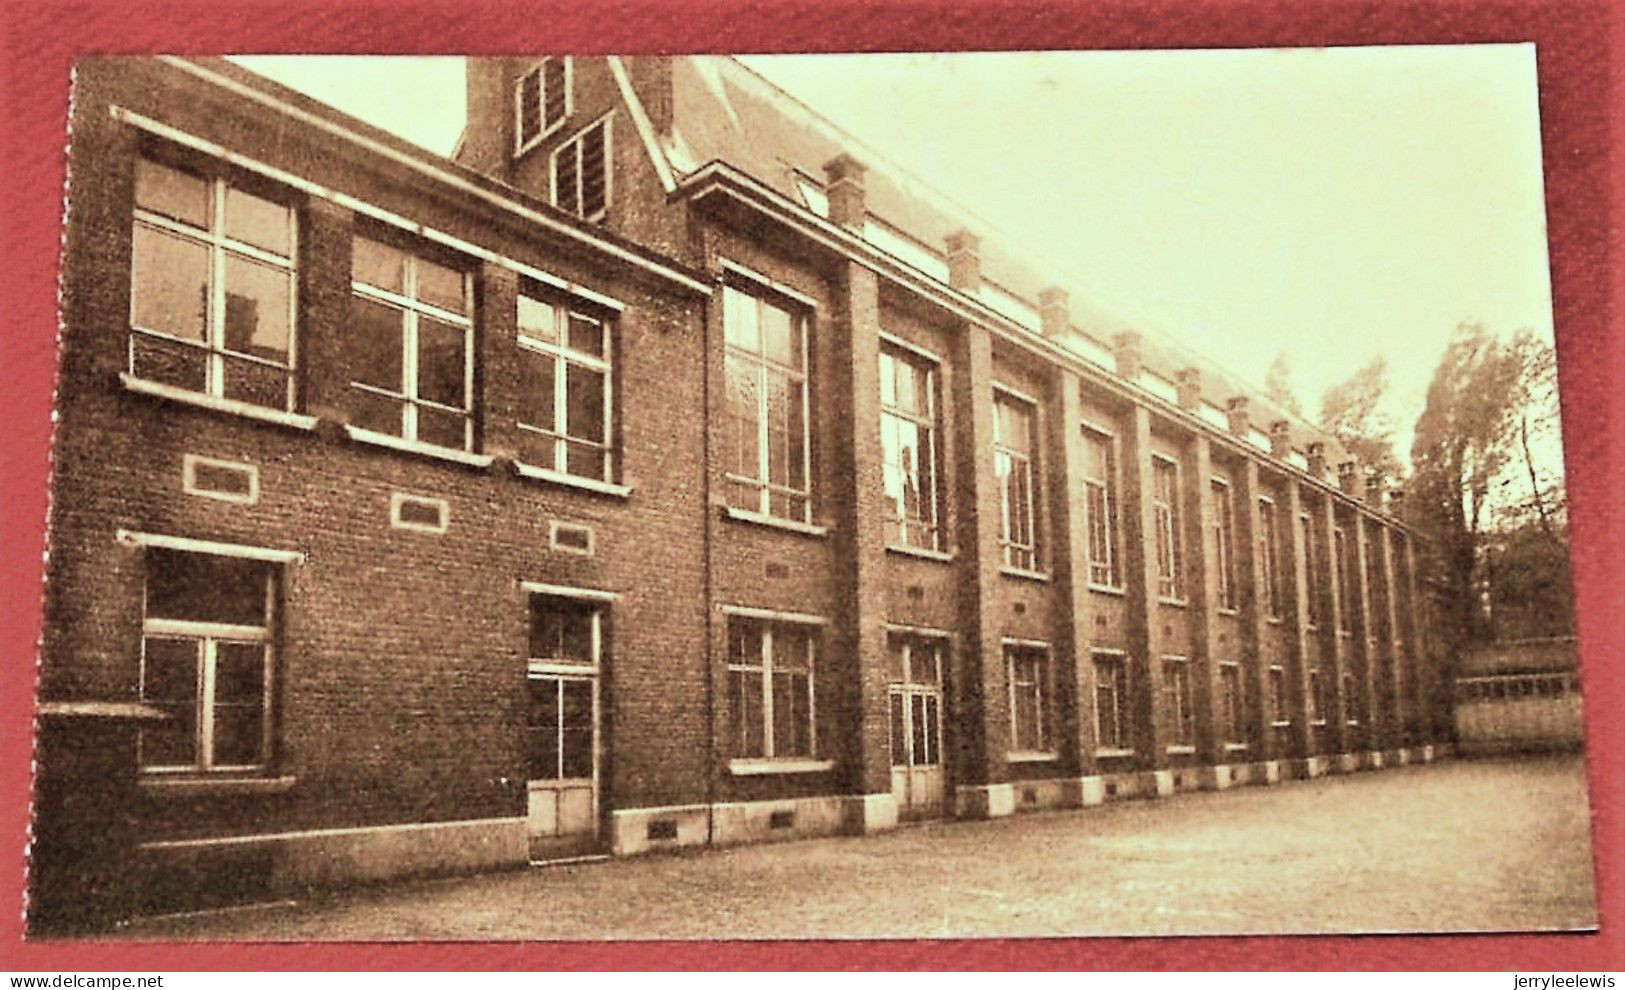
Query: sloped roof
[{"x": 722, "y": 111}]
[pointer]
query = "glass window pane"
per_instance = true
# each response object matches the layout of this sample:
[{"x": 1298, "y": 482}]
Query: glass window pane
[
  {"x": 908, "y": 398},
  {"x": 378, "y": 413},
  {"x": 536, "y": 400},
  {"x": 586, "y": 460},
  {"x": 171, "y": 192},
  {"x": 379, "y": 265},
  {"x": 743, "y": 404},
  {"x": 258, "y": 318},
  {"x": 202, "y": 587},
  {"x": 239, "y": 672},
  {"x": 442, "y": 364},
  {"x": 744, "y": 495},
  {"x": 787, "y": 506},
  {"x": 537, "y": 320},
  {"x": 530, "y": 106},
  {"x": 552, "y": 73},
  {"x": 257, "y": 221},
  {"x": 256, "y": 384},
  {"x": 169, "y": 683},
  {"x": 790, "y": 715},
  {"x": 745, "y": 696},
  {"x": 745, "y": 643},
  {"x": 239, "y": 734},
  {"x": 584, "y": 399},
  {"x": 566, "y": 191},
  {"x": 441, "y": 428},
  {"x": 888, "y": 379},
  {"x": 169, "y": 284},
  {"x": 577, "y": 623},
  {"x": 168, "y": 362},
  {"x": 594, "y": 186},
  {"x": 373, "y": 345},
  {"x": 780, "y": 339},
  {"x": 441, "y": 286},
  {"x": 586, "y": 335},
  {"x": 542, "y": 728},
  {"x": 576, "y": 716},
  {"x": 899, "y": 731},
  {"x": 739, "y": 319},
  {"x": 791, "y": 650},
  {"x": 895, "y": 661},
  {"x": 779, "y": 439},
  {"x": 921, "y": 727}
]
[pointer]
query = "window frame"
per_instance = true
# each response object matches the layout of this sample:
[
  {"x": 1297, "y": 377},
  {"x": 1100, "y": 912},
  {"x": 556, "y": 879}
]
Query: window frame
[
  {"x": 412, "y": 310},
  {"x": 1278, "y": 696},
  {"x": 1167, "y": 519},
  {"x": 930, "y": 423},
  {"x": 1233, "y": 703},
  {"x": 1224, "y": 543},
  {"x": 1345, "y": 575},
  {"x": 207, "y": 637},
  {"x": 562, "y": 356},
  {"x": 1122, "y": 740},
  {"x": 521, "y": 143},
  {"x": 1107, "y": 489},
  {"x": 759, "y": 364},
  {"x": 219, "y": 179},
  {"x": 1044, "y": 729},
  {"x": 575, "y": 144},
  {"x": 562, "y": 669},
  {"x": 1015, "y": 555},
  {"x": 1269, "y": 539},
  {"x": 765, "y": 671},
  {"x": 1179, "y": 712},
  {"x": 1312, "y": 576}
]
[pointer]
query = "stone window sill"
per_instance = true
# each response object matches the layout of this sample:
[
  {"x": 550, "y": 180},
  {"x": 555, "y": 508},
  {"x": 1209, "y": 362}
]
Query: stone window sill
[
  {"x": 191, "y": 785},
  {"x": 1106, "y": 589},
  {"x": 1235, "y": 747},
  {"x": 571, "y": 481},
  {"x": 1181, "y": 750},
  {"x": 1109, "y": 753},
  {"x": 924, "y": 553},
  {"x": 1023, "y": 574},
  {"x": 761, "y": 767},
  {"x": 142, "y": 386},
  {"x": 1030, "y": 757},
  {"x": 1172, "y": 602},
  {"x": 773, "y": 522},
  {"x": 392, "y": 442}
]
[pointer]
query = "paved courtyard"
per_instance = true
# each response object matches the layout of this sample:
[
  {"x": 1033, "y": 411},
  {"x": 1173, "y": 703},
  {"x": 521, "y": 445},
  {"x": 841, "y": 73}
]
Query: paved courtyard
[{"x": 1458, "y": 846}]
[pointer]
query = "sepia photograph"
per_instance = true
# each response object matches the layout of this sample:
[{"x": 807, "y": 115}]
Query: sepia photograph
[{"x": 917, "y": 495}]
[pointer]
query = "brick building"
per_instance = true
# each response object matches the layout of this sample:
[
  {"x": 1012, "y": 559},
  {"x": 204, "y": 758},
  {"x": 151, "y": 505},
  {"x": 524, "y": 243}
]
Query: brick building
[{"x": 666, "y": 469}]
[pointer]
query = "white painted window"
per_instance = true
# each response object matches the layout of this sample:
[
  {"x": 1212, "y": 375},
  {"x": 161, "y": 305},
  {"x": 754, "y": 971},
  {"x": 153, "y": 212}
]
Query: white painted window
[
  {"x": 1015, "y": 434},
  {"x": 207, "y": 661},
  {"x": 1319, "y": 703},
  {"x": 1232, "y": 704},
  {"x": 1312, "y": 558},
  {"x": 409, "y": 347},
  {"x": 915, "y": 696},
  {"x": 1224, "y": 543},
  {"x": 1269, "y": 555},
  {"x": 1165, "y": 512},
  {"x": 1028, "y": 670},
  {"x": 1280, "y": 714},
  {"x": 770, "y": 688},
  {"x": 566, "y": 402},
  {"x": 1100, "y": 501},
  {"x": 212, "y": 286},
  {"x": 766, "y": 447},
  {"x": 1112, "y": 726},
  {"x": 1178, "y": 708},
  {"x": 581, "y": 172},
  {"x": 908, "y": 442},
  {"x": 542, "y": 101}
]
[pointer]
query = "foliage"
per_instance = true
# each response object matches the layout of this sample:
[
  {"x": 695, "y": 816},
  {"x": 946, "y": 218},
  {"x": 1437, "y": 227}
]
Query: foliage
[
  {"x": 1278, "y": 385},
  {"x": 1349, "y": 411}
]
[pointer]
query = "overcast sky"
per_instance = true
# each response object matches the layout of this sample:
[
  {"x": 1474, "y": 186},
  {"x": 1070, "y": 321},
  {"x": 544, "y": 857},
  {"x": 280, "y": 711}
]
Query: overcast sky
[{"x": 1332, "y": 204}]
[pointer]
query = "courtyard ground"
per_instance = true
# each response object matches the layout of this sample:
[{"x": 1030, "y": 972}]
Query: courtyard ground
[{"x": 1498, "y": 845}]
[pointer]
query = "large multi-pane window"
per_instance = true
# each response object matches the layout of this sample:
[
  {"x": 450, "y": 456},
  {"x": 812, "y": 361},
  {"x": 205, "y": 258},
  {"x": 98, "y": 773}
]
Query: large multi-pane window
[
  {"x": 1269, "y": 556},
  {"x": 541, "y": 101},
  {"x": 206, "y": 661},
  {"x": 1029, "y": 709},
  {"x": 770, "y": 688},
  {"x": 565, "y": 407},
  {"x": 766, "y": 344},
  {"x": 1014, "y": 436},
  {"x": 409, "y": 347},
  {"x": 1275, "y": 693},
  {"x": 1319, "y": 703},
  {"x": 1178, "y": 709},
  {"x": 565, "y": 643},
  {"x": 1165, "y": 517},
  {"x": 212, "y": 287},
  {"x": 581, "y": 173},
  {"x": 1232, "y": 702},
  {"x": 1224, "y": 543},
  {"x": 908, "y": 442},
  {"x": 1111, "y": 700},
  {"x": 1100, "y": 498},
  {"x": 1346, "y": 577},
  {"x": 1312, "y": 558}
]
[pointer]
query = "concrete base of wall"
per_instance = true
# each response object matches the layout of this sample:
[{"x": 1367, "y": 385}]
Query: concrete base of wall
[
  {"x": 1426, "y": 753},
  {"x": 1346, "y": 762},
  {"x": 1265, "y": 773},
  {"x": 1047, "y": 793},
  {"x": 1403, "y": 756},
  {"x": 633, "y": 831},
  {"x": 1223, "y": 777},
  {"x": 867, "y": 814},
  {"x": 1375, "y": 759},
  {"x": 1311, "y": 767},
  {"x": 291, "y": 861},
  {"x": 1091, "y": 791},
  {"x": 984, "y": 801},
  {"x": 1187, "y": 779}
]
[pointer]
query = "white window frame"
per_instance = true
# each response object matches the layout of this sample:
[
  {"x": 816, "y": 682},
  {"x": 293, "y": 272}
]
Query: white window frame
[
  {"x": 911, "y": 689},
  {"x": 1344, "y": 569},
  {"x": 207, "y": 637},
  {"x": 765, "y": 670},
  {"x": 1269, "y": 551},
  {"x": 561, "y": 670},
  {"x": 929, "y": 423},
  {"x": 1224, "y": 542},
  {"x": 1318, "y": 702},
  {"x": 1180, "y": 714},
  {"x": 562, "y": 357},
  {"x": 521, "y": 144},
  {"x": 1046, "y": 742},
  {"x": 1166, "y": 515},
  {"x": 1280, "y": 708},
  {"x": 189, "y": 483},
  {"x": 575, "y": 145},
  {"x": 758, "y": 362},
  {"x": 1106, "y": 490},
  {"x": 1312, "y": 575},
  {"x": 1235, "y": 717},
  {"x": 219, "y": 247},
  {"x": 1121, "y": 716},
  {"x": 412, "y": 309},
  {"x": 1006, "y": 460}
]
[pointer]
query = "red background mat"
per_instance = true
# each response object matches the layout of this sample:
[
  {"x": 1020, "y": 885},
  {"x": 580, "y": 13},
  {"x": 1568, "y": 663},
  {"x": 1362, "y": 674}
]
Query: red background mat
[{"x": 1581, "y": 69}]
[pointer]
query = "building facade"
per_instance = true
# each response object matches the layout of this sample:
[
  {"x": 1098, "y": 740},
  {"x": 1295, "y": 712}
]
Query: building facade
[{"x": 665, "y": 469}]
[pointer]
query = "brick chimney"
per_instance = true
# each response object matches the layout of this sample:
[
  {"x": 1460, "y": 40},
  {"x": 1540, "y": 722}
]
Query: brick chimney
[
  {"x": 1375, "y": 487},
  {"x": 1054, "y": 316},
  {"x": 1236, "y": 408},
  {"x": 1396, "y": 501},
  {"x": 1317, "y": 460},
  {"x": 843, "y": 184},
  {"x": 1348, "y": 477},
  {"x": 1280, "y": 439},
  {"x": 1126, "y": 349},
  {"x": 964, "y": 261},
  {"x": 1188, "y": 384}
]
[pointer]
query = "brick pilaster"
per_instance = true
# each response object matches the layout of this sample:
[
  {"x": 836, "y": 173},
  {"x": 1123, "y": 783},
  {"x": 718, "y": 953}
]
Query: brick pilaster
[
  {"x": 1201, "y": 591},
  {"x": 325, "y": 236},
  {"x": 496, "y": 390},
  {"x": 1140, "y": 585},
  {"x": 1373, "y": 725},
  {"x": 1074, "y": 671},
  {"x": 1294, "y": 582},
  {"x": 1251, "y": 597},
  {"x": 1333, "y": 651}
]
